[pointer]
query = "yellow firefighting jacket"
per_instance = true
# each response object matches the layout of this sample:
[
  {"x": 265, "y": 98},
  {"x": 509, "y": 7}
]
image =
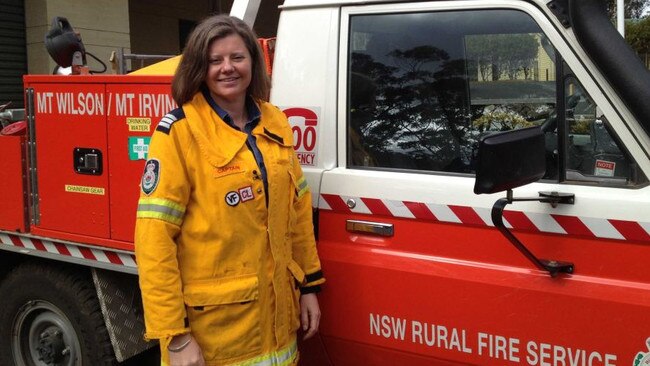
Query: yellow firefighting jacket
[{"x": 214, "y": 258}]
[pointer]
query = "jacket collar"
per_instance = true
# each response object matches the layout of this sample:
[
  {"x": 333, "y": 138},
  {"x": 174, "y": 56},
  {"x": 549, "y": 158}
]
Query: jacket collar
[
  {"x": 218, "y": 141},
  {"x": 252, "y": 109}
]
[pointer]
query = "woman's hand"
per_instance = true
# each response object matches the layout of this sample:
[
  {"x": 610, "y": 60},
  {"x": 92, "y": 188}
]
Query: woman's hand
[
  {"x": 309, "y": 314},
  {"x": 188, "y": 355}
]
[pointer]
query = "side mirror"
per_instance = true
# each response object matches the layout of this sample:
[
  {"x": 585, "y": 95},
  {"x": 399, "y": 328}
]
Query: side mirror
[{"x": 510, "y": 159}]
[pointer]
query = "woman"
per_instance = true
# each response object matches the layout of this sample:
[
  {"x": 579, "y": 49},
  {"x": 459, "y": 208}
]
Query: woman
[{"x": 224, "y": 237}]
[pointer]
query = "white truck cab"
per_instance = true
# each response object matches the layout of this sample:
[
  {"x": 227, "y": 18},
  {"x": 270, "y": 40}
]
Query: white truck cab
[{"x": 389, "y": 101}]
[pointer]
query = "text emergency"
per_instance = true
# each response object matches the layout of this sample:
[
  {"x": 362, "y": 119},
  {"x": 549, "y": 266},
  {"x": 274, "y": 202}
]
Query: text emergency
[
  {"x": 304, "y": 122},
  {"x": 483, "y": 344}
]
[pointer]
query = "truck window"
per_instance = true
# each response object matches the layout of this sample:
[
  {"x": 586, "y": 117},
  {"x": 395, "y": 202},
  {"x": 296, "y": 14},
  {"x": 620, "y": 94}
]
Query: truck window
[
  {"x": 424, "y": 87},
  {"x": 593, "y": 153}
]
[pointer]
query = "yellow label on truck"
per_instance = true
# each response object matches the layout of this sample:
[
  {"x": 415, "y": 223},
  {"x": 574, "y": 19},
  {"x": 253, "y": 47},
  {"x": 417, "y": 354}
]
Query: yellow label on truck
[{"x": 86, "y": 190}]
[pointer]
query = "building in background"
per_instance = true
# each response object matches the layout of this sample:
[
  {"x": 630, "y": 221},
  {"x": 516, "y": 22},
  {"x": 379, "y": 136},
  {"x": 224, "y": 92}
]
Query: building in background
[
  {"x": 135, "y": 26},
  {"x": 13, "y": 54}
]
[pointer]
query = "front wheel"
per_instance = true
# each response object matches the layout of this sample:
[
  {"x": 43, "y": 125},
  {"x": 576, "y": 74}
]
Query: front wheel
[{"x": 51, "y": 316}]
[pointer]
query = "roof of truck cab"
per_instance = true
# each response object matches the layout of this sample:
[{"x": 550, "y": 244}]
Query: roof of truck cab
[{"x": 320, "y": 3}]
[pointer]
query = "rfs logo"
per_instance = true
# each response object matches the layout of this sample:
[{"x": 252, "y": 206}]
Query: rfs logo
[
  {"x": 643, "y": 358},
  {"x": 151, "y": 176}
]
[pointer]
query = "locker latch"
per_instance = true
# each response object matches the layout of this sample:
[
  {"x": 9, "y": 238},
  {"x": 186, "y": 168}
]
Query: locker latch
[{"x": 87, "y": 161}]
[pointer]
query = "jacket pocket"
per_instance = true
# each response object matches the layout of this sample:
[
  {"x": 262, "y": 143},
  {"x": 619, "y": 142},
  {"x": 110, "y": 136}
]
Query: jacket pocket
[
  {"x": 296, "y": 278},
  {"x": 224, "y": 316}
]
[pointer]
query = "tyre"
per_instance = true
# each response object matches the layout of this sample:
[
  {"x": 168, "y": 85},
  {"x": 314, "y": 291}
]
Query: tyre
[{"x": 50, "y": 315}]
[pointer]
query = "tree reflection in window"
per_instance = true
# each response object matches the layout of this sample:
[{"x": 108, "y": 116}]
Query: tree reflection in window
[
  {"x": 424, "y": 87},
  {"x": 408, "y": 120}
]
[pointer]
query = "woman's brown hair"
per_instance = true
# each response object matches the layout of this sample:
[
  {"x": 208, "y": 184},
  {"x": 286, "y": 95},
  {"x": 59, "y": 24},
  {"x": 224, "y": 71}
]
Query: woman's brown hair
[{"x": 191, "y": 71}]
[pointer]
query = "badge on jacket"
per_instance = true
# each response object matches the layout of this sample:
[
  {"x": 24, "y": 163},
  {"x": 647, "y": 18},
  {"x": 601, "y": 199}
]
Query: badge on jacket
[
  {"x": 241, "y": 195},
  {"x": 151, "y": 176}
]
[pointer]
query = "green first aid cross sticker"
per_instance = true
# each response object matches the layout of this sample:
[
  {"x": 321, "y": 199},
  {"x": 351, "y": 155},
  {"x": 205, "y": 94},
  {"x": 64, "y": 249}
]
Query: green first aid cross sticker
[{"x": 138, "y": 148}]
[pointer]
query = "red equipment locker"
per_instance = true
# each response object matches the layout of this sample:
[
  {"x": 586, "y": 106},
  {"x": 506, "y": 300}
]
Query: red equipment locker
[{"x": 92, "y": 134}]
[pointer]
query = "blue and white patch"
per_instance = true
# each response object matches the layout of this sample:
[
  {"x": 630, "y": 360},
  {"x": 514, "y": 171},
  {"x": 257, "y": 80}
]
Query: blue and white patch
[
  {"x": 232, "y": 198},
  {"x": 151, "y": 176}
]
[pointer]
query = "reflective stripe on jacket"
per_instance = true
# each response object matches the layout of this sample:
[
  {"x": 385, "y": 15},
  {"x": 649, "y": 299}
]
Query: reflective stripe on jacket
[{"x": 213, "y": 258}]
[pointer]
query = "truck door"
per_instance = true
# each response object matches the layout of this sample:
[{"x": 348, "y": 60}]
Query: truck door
[
  {"x": 416, "y": 273},
  {"x": 71, "y": 165},
  {"x": 135, "y": 111}
]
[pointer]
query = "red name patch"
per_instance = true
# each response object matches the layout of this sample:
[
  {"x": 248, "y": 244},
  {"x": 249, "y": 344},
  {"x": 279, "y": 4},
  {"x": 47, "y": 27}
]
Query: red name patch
[{"x": 226, "y": 170}]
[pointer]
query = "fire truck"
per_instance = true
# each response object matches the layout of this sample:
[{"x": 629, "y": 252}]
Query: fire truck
[{"x": 479, "y": 173}]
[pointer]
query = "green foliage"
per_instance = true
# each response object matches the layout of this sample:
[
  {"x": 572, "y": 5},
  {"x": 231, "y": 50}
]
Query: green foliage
[
  {"x": 637, "y": 35},
  {"x": 499, "y": 118},
  {"x": 633, "y": 8},
  {"x": 580, "y": 127},
  {"x": 503, "y": 56}
]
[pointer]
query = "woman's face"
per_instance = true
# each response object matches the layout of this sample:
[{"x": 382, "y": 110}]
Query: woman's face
[{"x": 229, "y": 69}]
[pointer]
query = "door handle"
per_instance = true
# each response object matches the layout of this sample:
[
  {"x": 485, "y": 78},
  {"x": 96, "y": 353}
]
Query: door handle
[
  {"x": 367, "y": 227},
  {"x": 87, "y": 161}
]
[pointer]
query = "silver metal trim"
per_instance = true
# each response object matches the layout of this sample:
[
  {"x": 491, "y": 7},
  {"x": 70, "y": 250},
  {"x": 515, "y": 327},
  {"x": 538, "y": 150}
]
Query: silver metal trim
[
  {"x": 121, "y": 304},
  {"x": 31, "y": 157},
  {"x": 25, "y": 179},
  {"x": 368, "y": 227}
]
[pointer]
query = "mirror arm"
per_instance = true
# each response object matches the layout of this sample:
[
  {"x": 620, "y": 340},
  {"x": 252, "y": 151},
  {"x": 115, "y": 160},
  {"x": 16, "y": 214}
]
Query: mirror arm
[{"x": 551, "y": 266}]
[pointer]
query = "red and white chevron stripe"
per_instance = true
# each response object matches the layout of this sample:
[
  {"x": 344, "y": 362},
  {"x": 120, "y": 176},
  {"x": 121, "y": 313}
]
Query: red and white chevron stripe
[
  {"x": 78, "y": 253},
  {"x": 477, "y": 216},
  {"x": 516, "y": 220}
]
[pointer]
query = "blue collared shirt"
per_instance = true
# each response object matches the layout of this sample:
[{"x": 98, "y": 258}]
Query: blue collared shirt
[{"x": 254, "y": 116}]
